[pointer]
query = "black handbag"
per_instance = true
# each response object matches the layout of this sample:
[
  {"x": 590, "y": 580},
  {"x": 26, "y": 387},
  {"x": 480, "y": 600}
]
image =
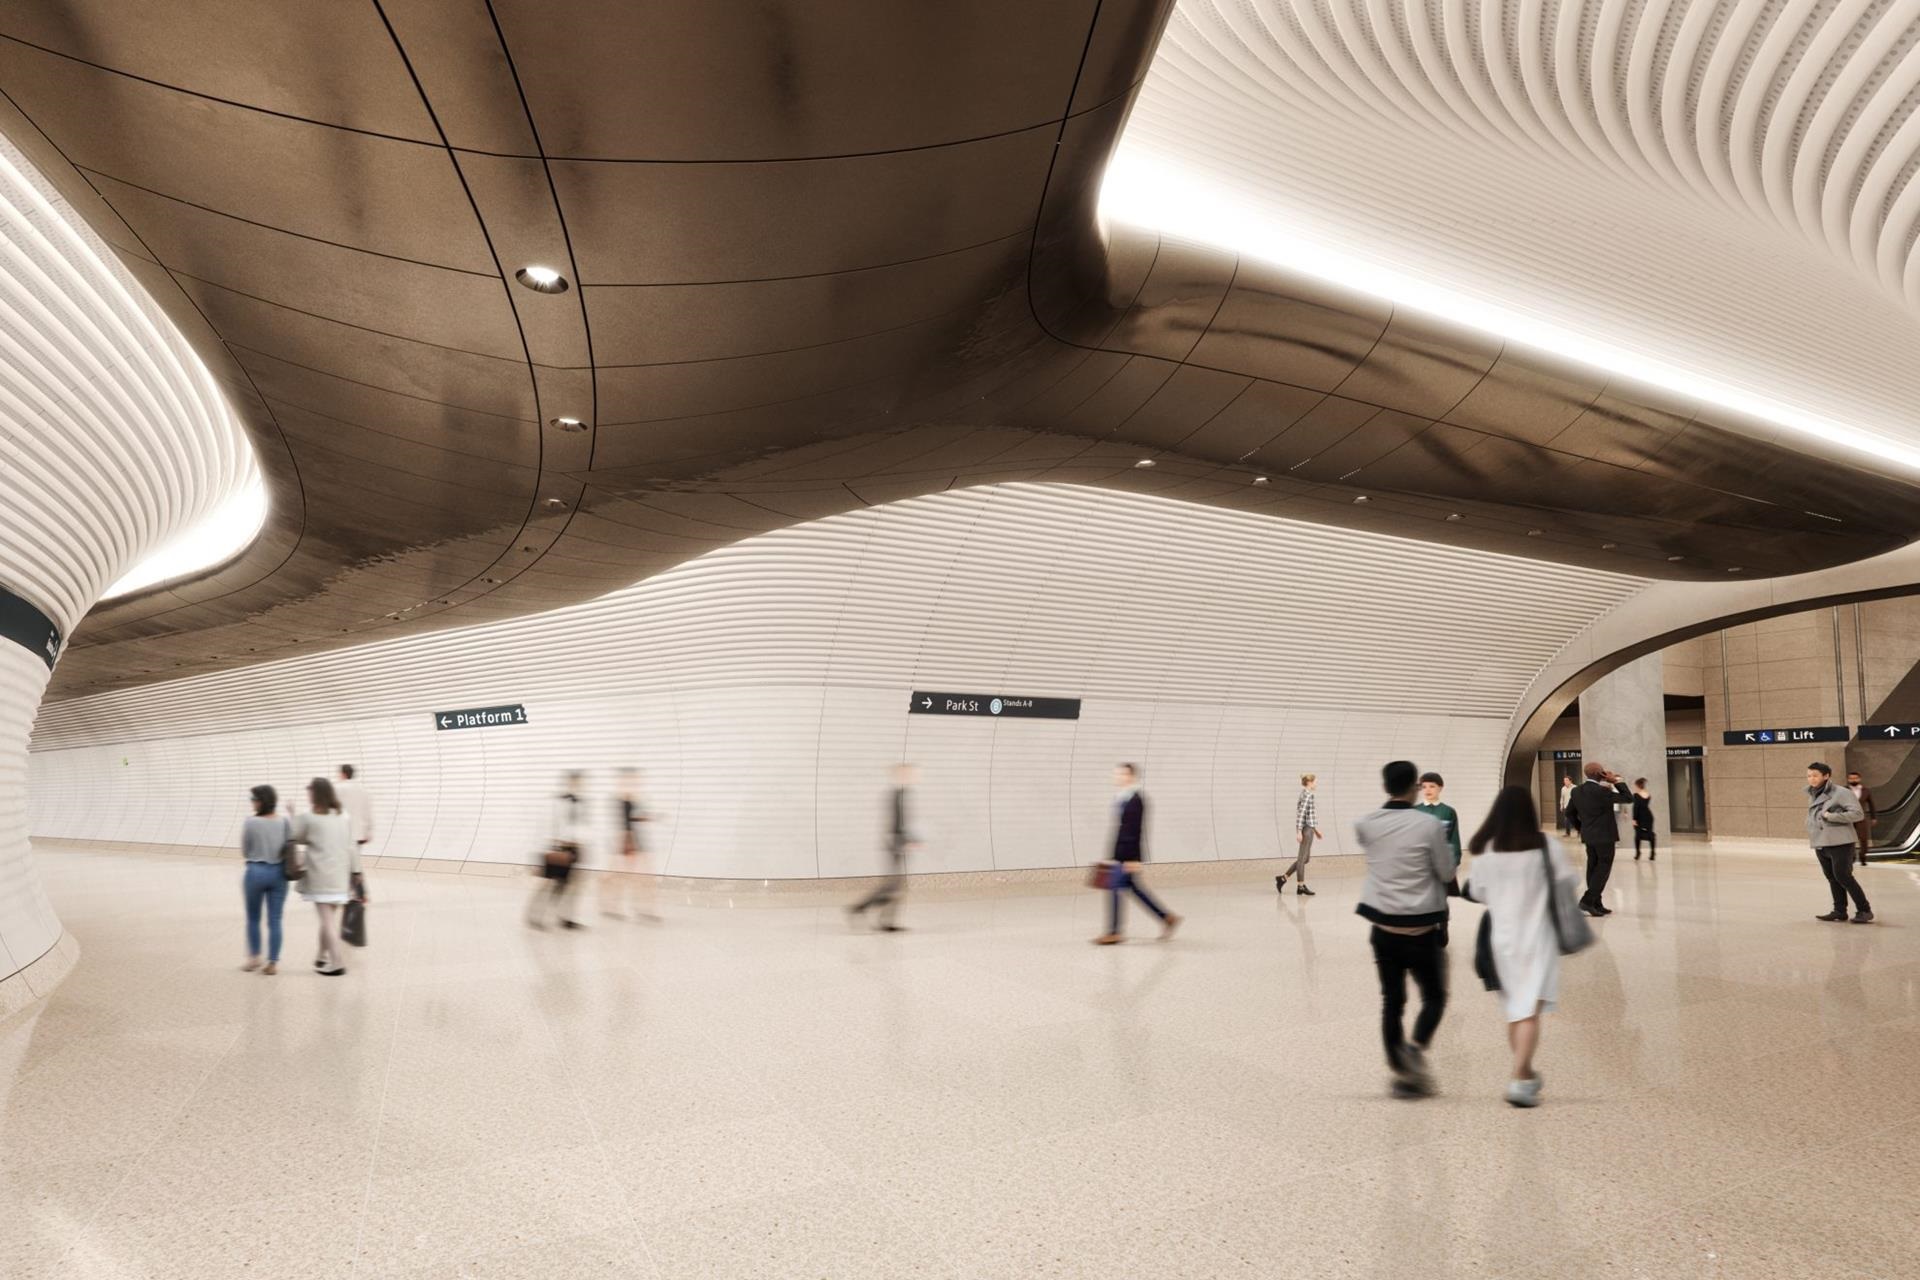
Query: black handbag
[
  {"x": 353, "y": 923},
  {"x": 1483, "y": 966}
]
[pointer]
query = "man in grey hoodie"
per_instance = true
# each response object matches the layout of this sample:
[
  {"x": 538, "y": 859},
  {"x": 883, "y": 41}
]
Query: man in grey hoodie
[
  {"x": 1831, "y": 813},
  {"x": 1409, "y": 871}
]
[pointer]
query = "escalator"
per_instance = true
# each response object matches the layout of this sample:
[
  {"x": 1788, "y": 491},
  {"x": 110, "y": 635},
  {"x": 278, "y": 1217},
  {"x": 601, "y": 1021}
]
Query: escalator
[{"x": 1892, "y": 771}]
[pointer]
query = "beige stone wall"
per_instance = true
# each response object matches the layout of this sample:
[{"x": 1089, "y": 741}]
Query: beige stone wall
[{"x": 1779, "y": 673}]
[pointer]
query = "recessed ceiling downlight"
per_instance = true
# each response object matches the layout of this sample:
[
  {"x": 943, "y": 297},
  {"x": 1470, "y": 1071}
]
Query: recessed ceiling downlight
[
  {"x": 541, "y": 279},
  {"x": 570, "y": 424}
]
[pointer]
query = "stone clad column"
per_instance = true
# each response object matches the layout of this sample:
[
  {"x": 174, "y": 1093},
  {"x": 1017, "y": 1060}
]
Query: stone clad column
[{"x": 1623, "y": 725}]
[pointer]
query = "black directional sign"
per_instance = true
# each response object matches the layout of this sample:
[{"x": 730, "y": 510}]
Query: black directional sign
[
  {"x": 1004, "y": 705},
  {"x": 1685, "y": 753},
  {"x": 480, "y": 717},
  {"x": 1775, "y": 737},
  {"x": 1564, "y": 755},
  {"x": 1903, "y": 732},
  {"x": 24, "y": 624}
]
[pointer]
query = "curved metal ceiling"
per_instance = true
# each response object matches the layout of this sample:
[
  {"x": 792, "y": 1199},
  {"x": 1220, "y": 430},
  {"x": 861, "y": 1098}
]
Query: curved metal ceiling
[{"x": 820, "y": 257}]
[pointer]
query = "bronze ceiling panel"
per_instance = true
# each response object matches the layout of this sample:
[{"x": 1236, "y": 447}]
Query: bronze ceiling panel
[
  {"x": 689, "y": 80},
  {"x": 395, "y": 363},
  {"x": 330, "y": 62},
  {"x": 1301, "y": 333},
  {"x": 1176, "y": 304},
  {"x": 1179, "y": 411},
  {"x": 679, "y": 223},
  {"x": 484, "y": 437},
  {"x": 666, "y": 324},
  {"x": 1420, "y": 367},
  {"x": 819, "y": 256},
  {"x": 463, "y": 70},
  {"x": 425, "y": 304},
  {"x": 402, "y": 199},
  {"x": 1524, "y": 398}
]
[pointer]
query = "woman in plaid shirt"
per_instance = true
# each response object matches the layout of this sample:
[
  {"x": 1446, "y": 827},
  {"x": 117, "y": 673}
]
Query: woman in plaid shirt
[{"x": 1304, "y": 820}]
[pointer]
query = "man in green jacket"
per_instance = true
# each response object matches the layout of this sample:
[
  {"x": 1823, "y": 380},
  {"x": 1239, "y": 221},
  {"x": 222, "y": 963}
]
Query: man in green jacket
[{"x": 1431, "y": 784}]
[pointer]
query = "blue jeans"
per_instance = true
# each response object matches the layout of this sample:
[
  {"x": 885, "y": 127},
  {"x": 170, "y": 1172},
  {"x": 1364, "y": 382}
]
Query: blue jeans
[
  {"x": 265, "y": 885},
  {"x": 1124, "y": 884}
]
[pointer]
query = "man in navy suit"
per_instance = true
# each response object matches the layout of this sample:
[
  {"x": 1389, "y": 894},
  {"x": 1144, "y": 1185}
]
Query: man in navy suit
[{"x": 1130, "y": 813}]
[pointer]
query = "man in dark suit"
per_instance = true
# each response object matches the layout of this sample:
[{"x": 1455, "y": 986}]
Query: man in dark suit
[
  {"x": 1129, "y": 851},
  {"x": 1591, "y": 814},
  {"x": 1863, "y": 829}
]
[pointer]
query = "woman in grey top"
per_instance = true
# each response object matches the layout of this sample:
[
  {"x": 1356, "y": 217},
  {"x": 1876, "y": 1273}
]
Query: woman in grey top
[
  {"x": 263, "y": 841},
  {"x": 333, "y": 865}
]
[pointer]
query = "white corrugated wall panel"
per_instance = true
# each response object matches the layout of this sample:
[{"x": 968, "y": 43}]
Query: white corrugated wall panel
[{"x": 763, "y": 689}]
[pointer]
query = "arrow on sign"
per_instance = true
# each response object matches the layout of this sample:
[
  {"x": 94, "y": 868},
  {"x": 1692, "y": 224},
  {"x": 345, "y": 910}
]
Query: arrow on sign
[
  {"x": 444, "y": 722},
  {"x": 926, "y": 702},
  {"x": 1749, "y": 737},
  {"x": 1893, "y": 731}
]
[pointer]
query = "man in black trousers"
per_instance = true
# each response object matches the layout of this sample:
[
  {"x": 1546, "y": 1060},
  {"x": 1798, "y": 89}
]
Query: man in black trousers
[
  {"x": 1591, "y": 814},
  {"x": 1129, "y": 851}
]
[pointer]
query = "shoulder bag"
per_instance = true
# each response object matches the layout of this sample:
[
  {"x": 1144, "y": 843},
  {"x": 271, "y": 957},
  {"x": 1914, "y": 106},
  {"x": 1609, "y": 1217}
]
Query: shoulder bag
[
  {"x": 1103, "y": 875},
  {"x": 1570, "y": 927},
  {"x": 293, "y": 863},
  {"x": 1483, "y": 965}
]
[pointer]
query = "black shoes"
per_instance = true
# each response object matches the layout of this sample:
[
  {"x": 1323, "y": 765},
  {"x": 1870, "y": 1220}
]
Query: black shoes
[
  {"x": 1279, "y": 884},
  {"x": 1834, "y": 915},
  {"x": 1863, "y": 917},
  {"x": 1303, "y": 891}
]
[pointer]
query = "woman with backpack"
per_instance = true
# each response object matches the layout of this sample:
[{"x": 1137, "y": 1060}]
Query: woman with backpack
[
  {"x": 263, "y": 843},
  {"x": 332, "y": 869},
  {"x": 1515, "y": 867}
]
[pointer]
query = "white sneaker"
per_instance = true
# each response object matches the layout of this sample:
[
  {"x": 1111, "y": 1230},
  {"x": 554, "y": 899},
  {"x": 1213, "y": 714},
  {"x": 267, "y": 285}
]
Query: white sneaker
[{"x": 1524, "y": 1093}]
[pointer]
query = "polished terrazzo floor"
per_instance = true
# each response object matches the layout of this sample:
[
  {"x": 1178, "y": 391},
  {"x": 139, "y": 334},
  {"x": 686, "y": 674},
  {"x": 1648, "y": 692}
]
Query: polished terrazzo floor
[{"x": 751, "y": 1089}]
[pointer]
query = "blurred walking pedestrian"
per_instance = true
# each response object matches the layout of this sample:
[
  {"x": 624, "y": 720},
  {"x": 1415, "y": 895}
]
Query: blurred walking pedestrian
[
  {"x": 355, "y": 803},
  {"x": 1306, "y": 829},
  {"x": 1409, "y": 873},
  {"x": 624, "y": 884},
  {"x": 1129, "y": 851},
  {"x": 1516, "y": 867},
  {"x": 1863, "y": 829},
  {"x": 332, "y": 859},
  {"x": 554, "y": 899},
  {"x": 1643, "y": 828},
  {"x": 264, "y": 838},
  {"x": 898, "y": 841}
]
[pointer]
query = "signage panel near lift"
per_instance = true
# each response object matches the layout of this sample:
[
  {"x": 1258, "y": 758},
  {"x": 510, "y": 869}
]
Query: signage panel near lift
[{"x": 1776, "y": 737}]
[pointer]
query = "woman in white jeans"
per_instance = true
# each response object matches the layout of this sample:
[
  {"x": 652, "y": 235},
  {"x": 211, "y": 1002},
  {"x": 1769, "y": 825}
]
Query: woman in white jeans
[
  {"x": 333, "y": 866},
  {"x": 1510, "y": 875}
]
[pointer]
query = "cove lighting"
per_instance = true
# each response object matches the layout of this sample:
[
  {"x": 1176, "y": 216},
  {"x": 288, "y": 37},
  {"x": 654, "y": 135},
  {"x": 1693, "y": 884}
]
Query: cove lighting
[
  {"x": 1161, "y": 195},
  {"x": 215, "y": 538}
]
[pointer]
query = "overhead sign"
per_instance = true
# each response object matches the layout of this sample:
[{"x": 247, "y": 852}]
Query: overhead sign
[
  {"x": 1563, "y": 754},
  {"x": 1685, "y": 753},
  {"x": 25, "y": 625},
  {"x": 1887, "y": 732},
  {"x": 1005, "y": 705},
  {"x": 480, "y": 717},
  {"x": 1774, "y": 737}
]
